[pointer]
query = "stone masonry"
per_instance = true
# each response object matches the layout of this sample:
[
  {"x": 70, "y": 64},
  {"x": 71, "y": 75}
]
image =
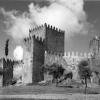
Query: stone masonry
[{"x": 41, "y": 39}]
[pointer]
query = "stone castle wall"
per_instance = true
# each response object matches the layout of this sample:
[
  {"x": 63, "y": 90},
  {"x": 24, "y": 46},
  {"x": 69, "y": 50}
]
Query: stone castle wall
[
  {"x": 41, "y": 39},
  {"x": 7, "y": 71},
  {"x": 51, "y": 58},
  {"x": 38, "y": 32},
  {"x": 38, "y": 61},
  {"x": 17, "y": 71},
  {"x": 54, "y": 39},
  {"x": 33, "y": 60},
  {"x": 27, "y": 60}
]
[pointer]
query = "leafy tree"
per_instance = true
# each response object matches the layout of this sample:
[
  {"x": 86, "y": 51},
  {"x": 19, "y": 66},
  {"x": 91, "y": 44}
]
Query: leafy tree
[
  {"x": 55, "y": 69},
  {"x": 6, "y": 47},
  {"x": 45, "y": 68},
  {"x": 67, "y": 75},
  {"x": 84, "y": 71}
]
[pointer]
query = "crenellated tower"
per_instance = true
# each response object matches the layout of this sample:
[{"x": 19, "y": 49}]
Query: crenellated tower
[
  {"x": 42, "y": 38},
  {"x": 52, "y": 37},
  {"x": 94, "y": 46}
]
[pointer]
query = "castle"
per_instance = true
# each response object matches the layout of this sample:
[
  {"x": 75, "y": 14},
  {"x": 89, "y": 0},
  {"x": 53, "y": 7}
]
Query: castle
[
  {"x": 42, "y": 38},
  {"x": 45, "y": 45}
]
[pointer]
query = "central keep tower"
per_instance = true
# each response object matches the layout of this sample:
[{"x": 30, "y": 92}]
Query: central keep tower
[{"x": 42, "y": 38}]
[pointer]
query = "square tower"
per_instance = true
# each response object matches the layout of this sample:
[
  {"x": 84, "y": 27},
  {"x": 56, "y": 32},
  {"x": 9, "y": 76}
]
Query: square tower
[
  {"x": 53, "y": 38},
  {"x": 41, "y": 39},
  {"x": 7, "y": 71},
  {"x": 34, "y": 59}
]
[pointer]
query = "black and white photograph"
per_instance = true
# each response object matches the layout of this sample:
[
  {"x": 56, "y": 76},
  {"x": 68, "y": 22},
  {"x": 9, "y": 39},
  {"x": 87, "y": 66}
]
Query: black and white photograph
[{"x": 49, "y": 49}]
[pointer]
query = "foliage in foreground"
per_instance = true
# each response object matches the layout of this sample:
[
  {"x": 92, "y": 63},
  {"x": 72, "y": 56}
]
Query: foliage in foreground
[
  {"x": 84, "y": 71},
  {"x": 57, "y": 71}
]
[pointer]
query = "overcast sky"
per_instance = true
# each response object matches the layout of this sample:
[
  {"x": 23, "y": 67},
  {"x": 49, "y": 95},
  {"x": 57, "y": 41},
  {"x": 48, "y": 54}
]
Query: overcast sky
[{"x": 77, "y": 42}]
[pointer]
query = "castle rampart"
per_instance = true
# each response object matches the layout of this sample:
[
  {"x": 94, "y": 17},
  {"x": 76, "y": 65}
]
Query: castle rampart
[
  {"x": 42, "y": 38},
  {"x": 8, "y": 65}
]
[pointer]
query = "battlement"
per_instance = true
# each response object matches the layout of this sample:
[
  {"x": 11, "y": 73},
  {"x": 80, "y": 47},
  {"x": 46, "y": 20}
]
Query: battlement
[
  {"x": 54, "y": 53},
  {"x": 8, "y": 61},
  {"x": 52, "y": 37},
  {"x": 53, "y": 28},
  {"x": 35, "y": 37},
  {"x": 36, "y": 28},
  {"x": 40, "y": 31},
  {"x": 38, "y": 38},
  {"x": 77, "y": 54},
  {"x": 51, "y": 58}
]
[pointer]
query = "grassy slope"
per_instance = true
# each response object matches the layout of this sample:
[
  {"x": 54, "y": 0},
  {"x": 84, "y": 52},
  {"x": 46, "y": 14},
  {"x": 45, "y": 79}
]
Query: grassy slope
[{"x": 36, "y": 89}]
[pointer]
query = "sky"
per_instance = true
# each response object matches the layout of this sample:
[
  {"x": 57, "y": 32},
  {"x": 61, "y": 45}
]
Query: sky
[{"x": 84, "y": 22}]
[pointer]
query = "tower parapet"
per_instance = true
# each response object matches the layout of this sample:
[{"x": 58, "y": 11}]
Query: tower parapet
[
  {"x": 52, "y": 37},
  {"x": 43, "y": 38},
  {"x": 53, "y": 28},
  {"x": 76, "y": 55},
  {"x": 38, "y": 31}
]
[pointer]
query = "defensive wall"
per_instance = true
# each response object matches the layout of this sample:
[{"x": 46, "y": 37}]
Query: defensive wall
[{"x": 7, "y": 71}]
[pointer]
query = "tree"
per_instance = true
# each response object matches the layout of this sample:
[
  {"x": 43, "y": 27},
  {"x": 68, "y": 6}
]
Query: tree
[
  {"x": 6, "y": 47},
  {"x": 45, "y": 68},
  {"x": 55, "y": 70},
  {"x": 67, "y": 75},
  {"x": 84, "y": 71}
]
